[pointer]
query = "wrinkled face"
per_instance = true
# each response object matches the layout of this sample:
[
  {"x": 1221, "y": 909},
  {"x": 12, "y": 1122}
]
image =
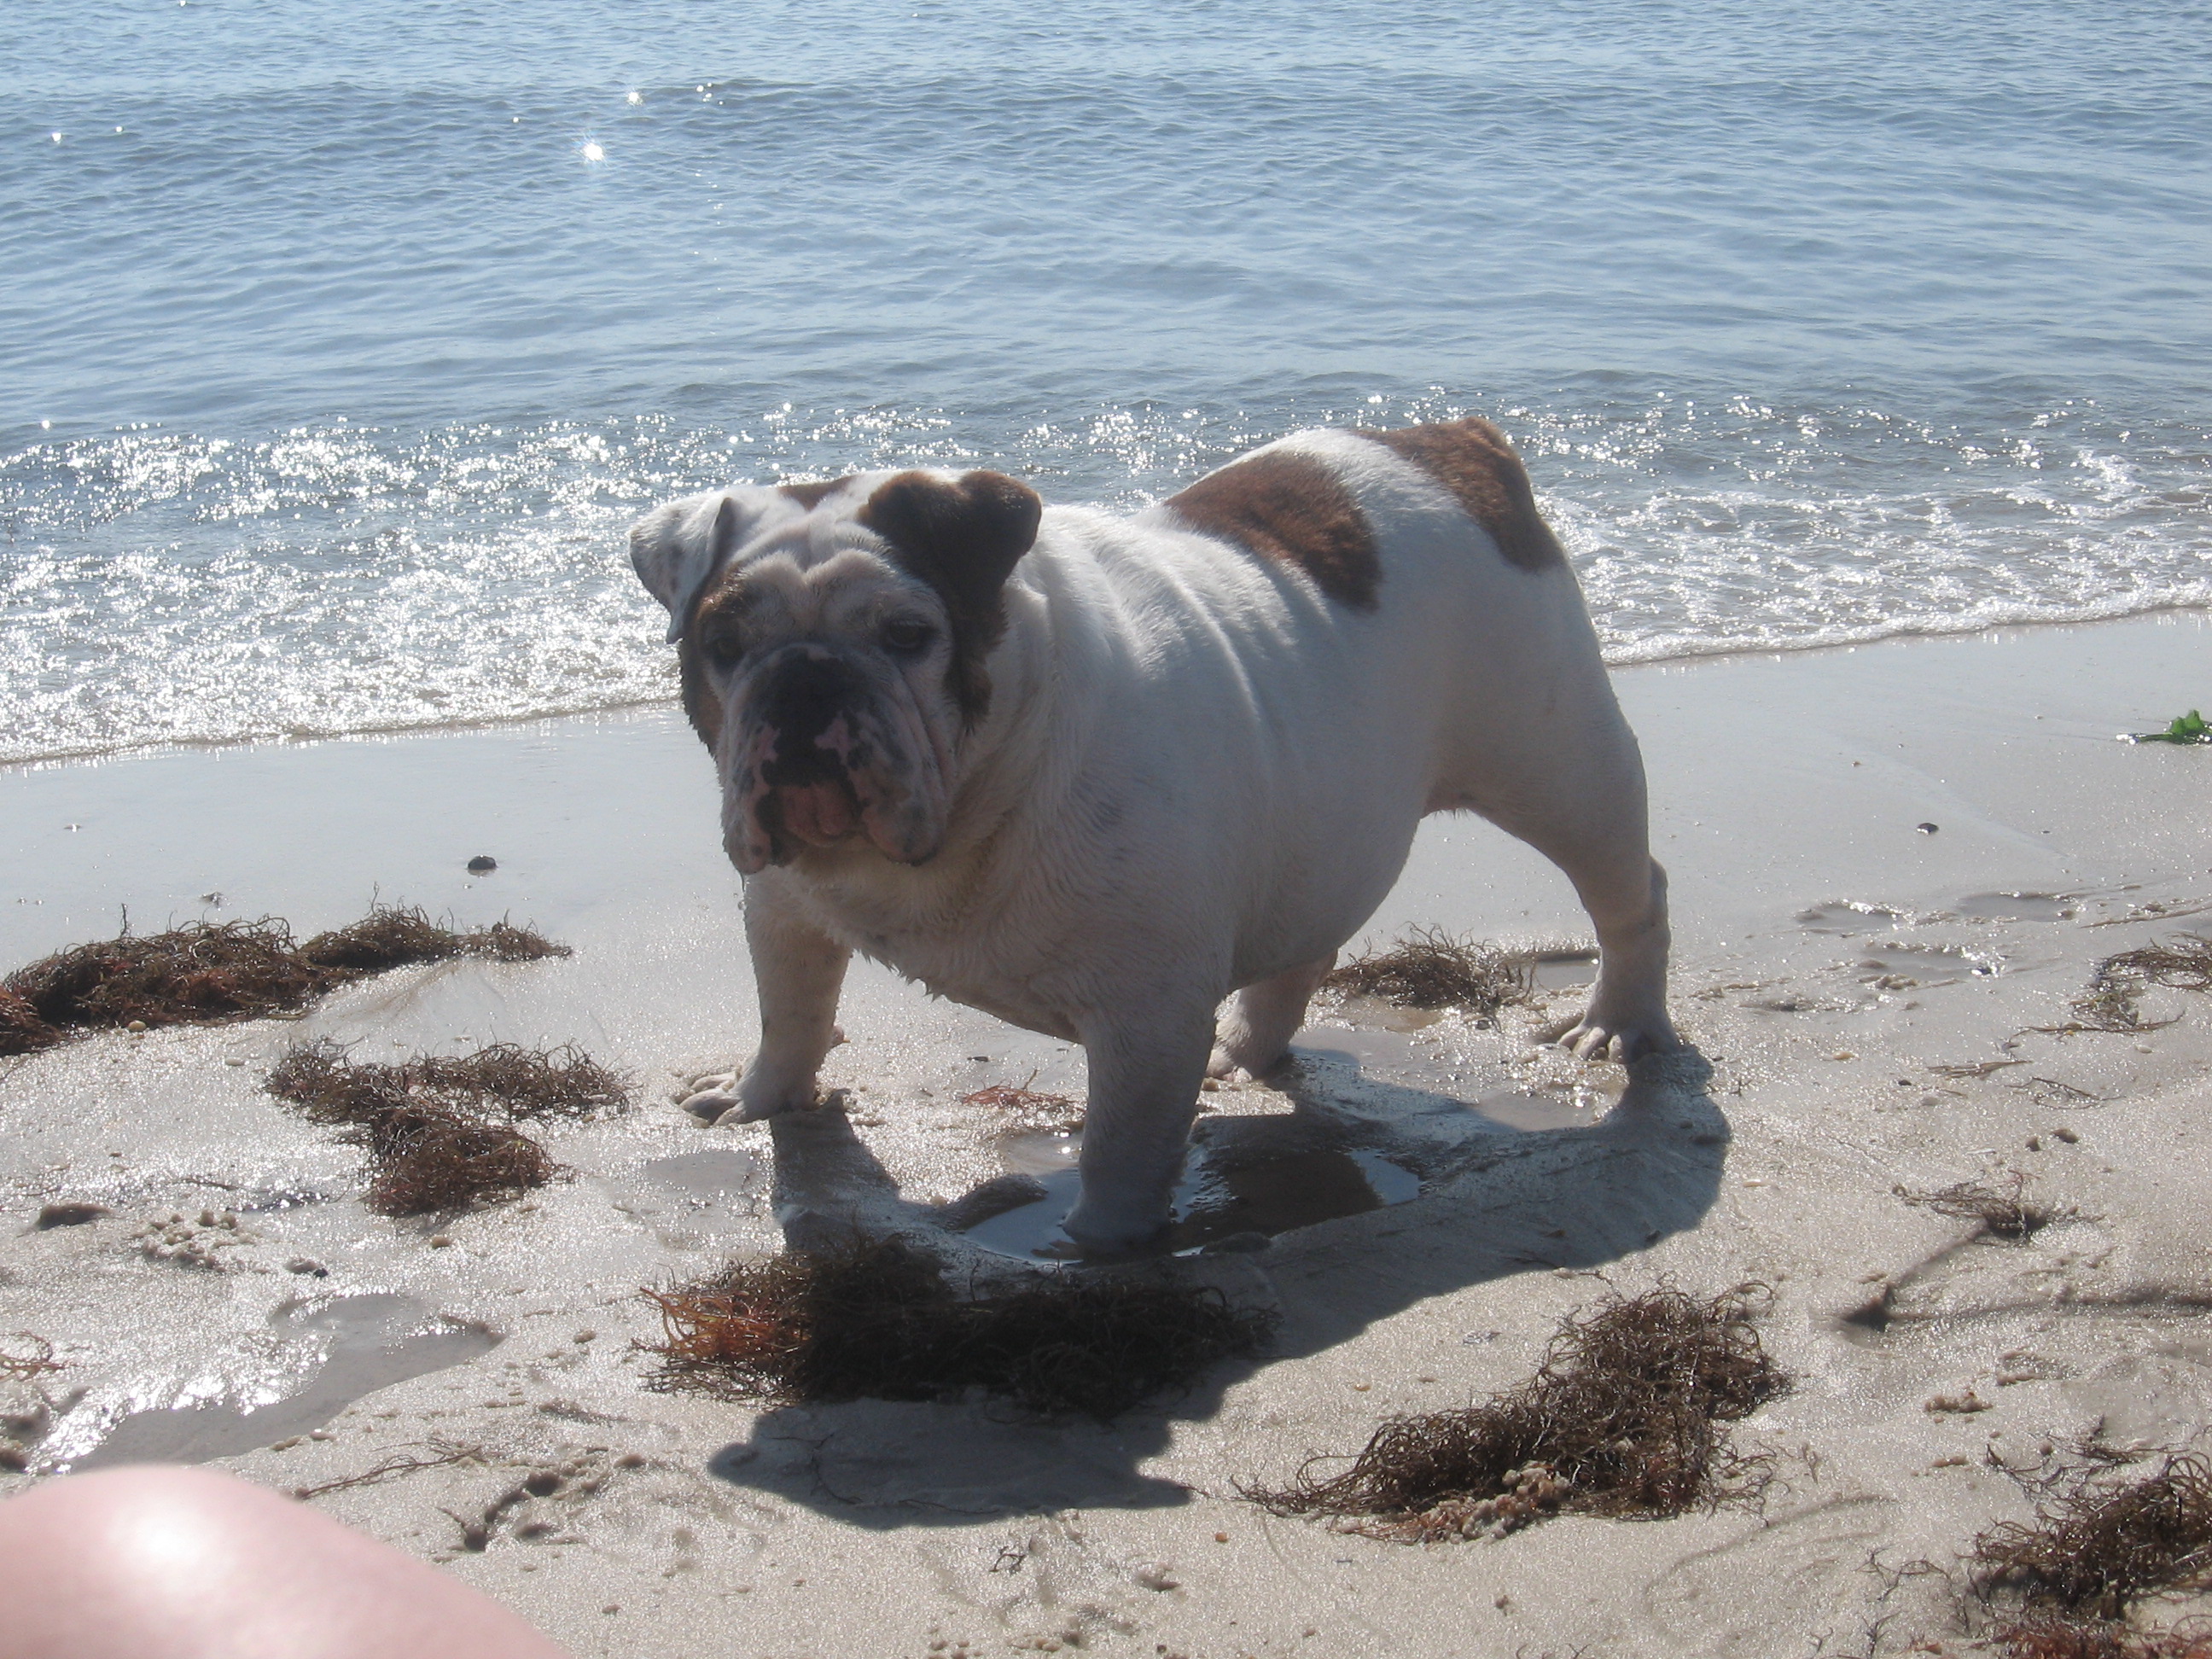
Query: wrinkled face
[{"x": 832, "y": 639}]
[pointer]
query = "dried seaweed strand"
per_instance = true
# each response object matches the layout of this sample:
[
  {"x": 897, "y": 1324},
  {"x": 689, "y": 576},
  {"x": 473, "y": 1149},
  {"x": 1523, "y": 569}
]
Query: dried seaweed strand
[
  {"x": 39, "y": 1361},
  {"x": 443, "y": 1453}
]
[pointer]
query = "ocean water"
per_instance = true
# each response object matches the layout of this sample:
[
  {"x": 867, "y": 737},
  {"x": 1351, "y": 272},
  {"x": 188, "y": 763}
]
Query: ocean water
[{"x": 339, "y": 341}]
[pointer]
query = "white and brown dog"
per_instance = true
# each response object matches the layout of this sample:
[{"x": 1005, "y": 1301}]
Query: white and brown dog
[{"x": 1094, "y": 774}]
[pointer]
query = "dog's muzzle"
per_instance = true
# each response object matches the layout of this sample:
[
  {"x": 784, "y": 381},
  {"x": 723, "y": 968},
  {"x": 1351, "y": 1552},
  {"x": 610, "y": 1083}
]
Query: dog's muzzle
[{"x": 813, "y": 767}]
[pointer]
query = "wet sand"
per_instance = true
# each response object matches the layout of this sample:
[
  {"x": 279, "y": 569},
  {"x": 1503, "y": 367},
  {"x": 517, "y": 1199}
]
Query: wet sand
[{"x": 1861, "y": 991}]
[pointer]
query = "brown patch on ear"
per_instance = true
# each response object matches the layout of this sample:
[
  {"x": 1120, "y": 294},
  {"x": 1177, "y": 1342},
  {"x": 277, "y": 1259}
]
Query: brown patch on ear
[
  {"x": 700, "y": 700},
  {"x": 809, "y": 495},
  {"x": 963, "y": 538},
  {"x": 1473, "y": 459},
  {"x": 1294, "y": 509}
]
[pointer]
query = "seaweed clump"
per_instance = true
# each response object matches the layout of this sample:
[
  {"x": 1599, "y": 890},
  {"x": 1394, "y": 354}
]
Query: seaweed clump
[
  {"x": 2061, "y": 1635},
  {"x": 506, "y": 1078},
  {"x": 399, "y": 936},
  {"x": 2104, "y": 1543},
  {"x": 205, "y": 973},
  {"x": 2004, "y": 1211},
  {"x": 22, "y": 1030},
  {"x": 1623, "y": 1417},
  {"x": 442, "y": 1130},
  {"x": 2110, "y": 1003},
  {"x": 875, "y": 1319},
  {"x": 1428, "y": 967}
]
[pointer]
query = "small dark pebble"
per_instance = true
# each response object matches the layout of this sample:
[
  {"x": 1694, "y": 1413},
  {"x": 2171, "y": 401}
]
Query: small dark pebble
[
  {"x": 483, "y": 863},
  {"x": 72, "y": 1214},
  {"x": 1925, "y": 828},
  {"x": 543, "y": 1483}
]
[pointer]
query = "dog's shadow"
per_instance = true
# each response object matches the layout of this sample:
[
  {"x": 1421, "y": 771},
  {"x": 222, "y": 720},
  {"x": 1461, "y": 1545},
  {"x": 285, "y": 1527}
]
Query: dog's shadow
[{"x": 1495, "y": 1202}]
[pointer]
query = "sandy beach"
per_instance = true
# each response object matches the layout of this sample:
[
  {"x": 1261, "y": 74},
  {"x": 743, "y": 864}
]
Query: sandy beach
[{"x": 1893, "y": 868}]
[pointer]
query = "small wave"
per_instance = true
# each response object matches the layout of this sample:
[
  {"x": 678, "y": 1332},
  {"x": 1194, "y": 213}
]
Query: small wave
[{"x": 169, "y": 588}]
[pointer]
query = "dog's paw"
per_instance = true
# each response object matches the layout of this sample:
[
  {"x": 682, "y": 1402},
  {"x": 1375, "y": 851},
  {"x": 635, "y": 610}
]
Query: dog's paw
[
  {"x": 1239, "y": 1058},
  {"x": 1595, "y": 1035},
  {"x": 760, "y": 1091},
  {"x": 1101, "y": 1230},
  {"x": 1226, "y": 1065}
]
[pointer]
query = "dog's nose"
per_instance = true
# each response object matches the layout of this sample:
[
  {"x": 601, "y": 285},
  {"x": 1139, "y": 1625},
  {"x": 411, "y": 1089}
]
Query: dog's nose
[{"x": 805, "y": 699}]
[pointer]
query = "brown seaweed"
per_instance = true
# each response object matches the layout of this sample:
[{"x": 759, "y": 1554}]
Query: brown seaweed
[
  {"x": 38, "y": 1359},
  {"x": 2069, "y": 1635},
  {"x": 2111, "y": 1002},
  {"x": 519, "y": 1083},
  {"x": 1623, "y": 1417},
  {"x": 875, "y": 1319},
  {"x": 1428, "y": 967},
  {"x": 440, "y": 1130},
  {"x": 2004, "y": 1211},
  {"x": 206, "y": 973},
  {"x": 2106, "y": 1542}
]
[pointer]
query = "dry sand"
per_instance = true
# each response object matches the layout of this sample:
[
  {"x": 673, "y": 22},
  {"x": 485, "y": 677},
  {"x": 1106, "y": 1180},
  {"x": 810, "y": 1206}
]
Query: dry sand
[{"x": 1861, "y": 994}]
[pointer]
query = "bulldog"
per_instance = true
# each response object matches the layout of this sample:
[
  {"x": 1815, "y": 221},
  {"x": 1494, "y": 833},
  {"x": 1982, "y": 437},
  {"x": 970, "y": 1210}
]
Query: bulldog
[{"x": 1096, "y": 774}]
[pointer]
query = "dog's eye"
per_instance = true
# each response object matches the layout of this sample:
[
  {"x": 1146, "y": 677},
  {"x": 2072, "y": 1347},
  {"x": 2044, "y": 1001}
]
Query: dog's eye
[
  {"x": 906, "y": 636},
  {"x": 722, "y": 650}
]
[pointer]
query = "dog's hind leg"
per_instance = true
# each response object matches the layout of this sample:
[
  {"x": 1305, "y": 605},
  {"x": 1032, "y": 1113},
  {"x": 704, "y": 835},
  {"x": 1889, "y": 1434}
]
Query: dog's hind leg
[
  {"x": 1582, "y": 805},
  {"x": 798, "y": 970},
  {"x": 1256, "y": 1030}
]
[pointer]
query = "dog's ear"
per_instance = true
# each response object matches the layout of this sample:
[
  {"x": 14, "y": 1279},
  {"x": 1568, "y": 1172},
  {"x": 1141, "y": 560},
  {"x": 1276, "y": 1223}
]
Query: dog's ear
[
  {"x": 963, "y": 537},
  {"x": 678, "y": 549}
]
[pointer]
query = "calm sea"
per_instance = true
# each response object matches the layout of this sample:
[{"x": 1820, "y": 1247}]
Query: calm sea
[{"x": 340, "y": 339}]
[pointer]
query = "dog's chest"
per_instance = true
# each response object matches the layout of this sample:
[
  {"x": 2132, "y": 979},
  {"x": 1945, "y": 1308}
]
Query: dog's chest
[{"x": 977, "y": 954}]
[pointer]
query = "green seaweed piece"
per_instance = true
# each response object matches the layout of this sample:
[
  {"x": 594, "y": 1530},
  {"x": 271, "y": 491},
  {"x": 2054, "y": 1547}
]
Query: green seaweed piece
[{"x": 2186, "y": 728}]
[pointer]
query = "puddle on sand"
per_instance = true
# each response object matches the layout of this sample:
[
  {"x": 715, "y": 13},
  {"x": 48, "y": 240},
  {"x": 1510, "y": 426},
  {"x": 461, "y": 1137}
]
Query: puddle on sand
[
  {"x": 1533, "y": 1110},
  {"x": 1374, "y": 1012},
  {"x": 1249, "y": 1174},
  {"x": 1850, "y": 916},
  {"x": 709, "y": 1175},
  {"x": 1564, "y": 970},
  {"x": 369, "y": 1342},
  {"x": 1892, "y": 954},
  {"x": 2019, "y": 907},
  {"x": 701, "y": 1194}
]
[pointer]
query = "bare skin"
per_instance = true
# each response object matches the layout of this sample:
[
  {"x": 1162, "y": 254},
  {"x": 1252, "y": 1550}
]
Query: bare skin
[{"x": 165, "y": 1563}]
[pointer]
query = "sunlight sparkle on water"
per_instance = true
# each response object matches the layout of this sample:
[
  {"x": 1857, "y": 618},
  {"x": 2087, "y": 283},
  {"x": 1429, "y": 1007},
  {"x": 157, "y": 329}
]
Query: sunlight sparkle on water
[{"x": 590, "y": 151}]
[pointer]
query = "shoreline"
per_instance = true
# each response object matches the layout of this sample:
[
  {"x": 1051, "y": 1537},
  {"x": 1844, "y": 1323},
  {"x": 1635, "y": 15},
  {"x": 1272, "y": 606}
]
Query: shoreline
[
  {"x": 1867, "y": 996},
  {"x": 635, "y": 705}
]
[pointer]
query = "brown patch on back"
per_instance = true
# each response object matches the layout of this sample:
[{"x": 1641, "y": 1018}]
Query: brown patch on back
[
  {"x": 1293, "y": 510},
  {"x": 809, "y": 495},
  {"x": 963, "y": 538},
  {"x": 1473, "y": 459}
]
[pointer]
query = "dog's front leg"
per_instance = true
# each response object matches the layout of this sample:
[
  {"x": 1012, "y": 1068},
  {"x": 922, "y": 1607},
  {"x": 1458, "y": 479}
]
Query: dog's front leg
[
  {"x": 1146, "y": 1067},
  {"x": 798, "y": 970}
]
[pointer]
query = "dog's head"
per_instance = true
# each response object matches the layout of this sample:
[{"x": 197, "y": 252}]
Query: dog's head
[{"x": 832, "y": 639}]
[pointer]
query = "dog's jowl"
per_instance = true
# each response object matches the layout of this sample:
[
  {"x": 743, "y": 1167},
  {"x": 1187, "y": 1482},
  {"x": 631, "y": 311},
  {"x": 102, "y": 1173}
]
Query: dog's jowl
[{"x": 1096, "y": 774}]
